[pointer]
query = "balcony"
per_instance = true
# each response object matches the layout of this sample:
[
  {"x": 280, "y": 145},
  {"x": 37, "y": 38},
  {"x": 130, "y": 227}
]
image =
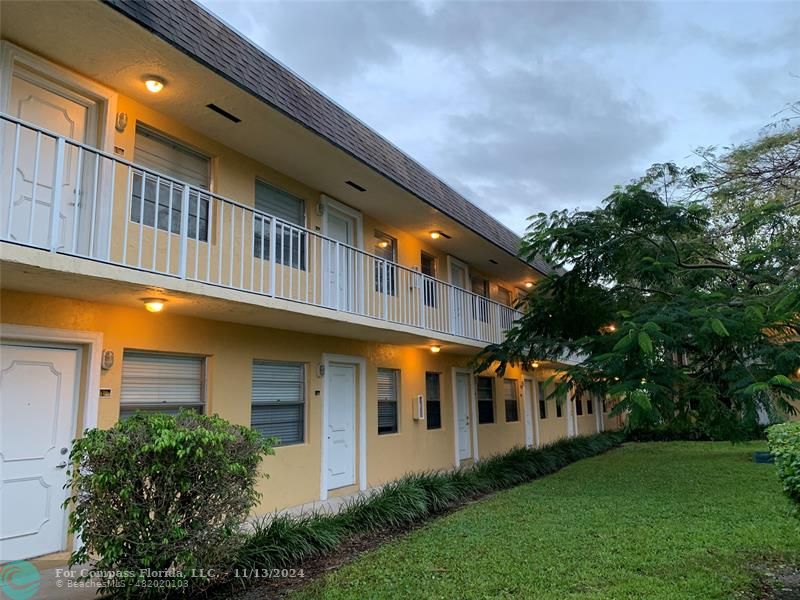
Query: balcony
[{"x": 71, "y": 199}]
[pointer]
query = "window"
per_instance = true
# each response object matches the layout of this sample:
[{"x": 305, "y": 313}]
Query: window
[
  {"x": 151, "y": 195},
  {"x": 511, "y": 402},
  {"x": 428, "y": 267},
  {"x": 385, "y": 272},
  {"x": 161, "y": 382},
  {"x": 558, "y": 409},
  {"x": 387, "y": 401},
  {"x": 485, "y": 399},
  {"x": 480, "y": 287},
  {"x": 542, "y": 401},
  {"x": 589, "y": 402},
  {"x": 279, "y": 401},
  {"x": 433, "y": 404},
  {"x": 290, "y": 240},
  {"x": 579, "y": 405}
]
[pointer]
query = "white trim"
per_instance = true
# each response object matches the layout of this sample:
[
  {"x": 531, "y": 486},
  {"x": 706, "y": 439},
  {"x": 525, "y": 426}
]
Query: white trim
[
  {"x": 93, "y": 341},
  {"x": 598, "y": 412},
  {"x": 473, "y": 419},
  {"x": 329, "y": 203},
  {"x": 12, "y": 55},
  {"x": 361, "y": 363},
  {"x": 571, "y": 422}
]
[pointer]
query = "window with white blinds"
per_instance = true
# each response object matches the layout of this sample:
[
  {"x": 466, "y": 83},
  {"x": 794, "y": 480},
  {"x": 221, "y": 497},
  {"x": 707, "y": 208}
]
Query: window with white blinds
[
  {"x": 387, "y": 400},
  {"x": 511, "y": 400},
  {"x": 160, "y": 382},
  {"x": 279, "y": 401},
  {"x": 542, "y": 401},
  {"x": 290, "y": 243},
  {"x": 433, "y": 393},
  {"x": 158, "y": 201}
]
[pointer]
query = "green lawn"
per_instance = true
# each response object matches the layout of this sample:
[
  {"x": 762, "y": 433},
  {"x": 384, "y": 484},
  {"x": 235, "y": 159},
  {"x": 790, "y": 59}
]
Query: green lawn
[{"x": 666, "y": 520}]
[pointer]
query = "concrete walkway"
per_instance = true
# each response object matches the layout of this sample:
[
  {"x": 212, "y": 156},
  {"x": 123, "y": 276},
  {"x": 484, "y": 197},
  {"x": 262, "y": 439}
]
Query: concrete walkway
[{"x": 58, "y": 582}]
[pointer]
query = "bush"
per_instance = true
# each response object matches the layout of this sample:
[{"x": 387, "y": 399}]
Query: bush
[
  {"x": 163, "y": 493},
  {"x": 784, "y": 444},
  {"x": 283, "y": 541}
]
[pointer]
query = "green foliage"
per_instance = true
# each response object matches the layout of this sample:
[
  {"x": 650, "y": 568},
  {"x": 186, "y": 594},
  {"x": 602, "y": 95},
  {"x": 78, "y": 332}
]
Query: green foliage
[
  {"x": 784, "y": 444},
  {"x": 281, "y": 541},
  {"x": 698, "y": 271},
  {"x": 163, "y": 493},
  {"x": 667, "y": 521}
]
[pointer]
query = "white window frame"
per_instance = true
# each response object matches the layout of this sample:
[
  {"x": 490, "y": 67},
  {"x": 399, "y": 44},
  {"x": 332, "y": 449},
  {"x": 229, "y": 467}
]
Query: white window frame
[
  {"x": 515, "y": 386},
  {"x": 397, "y": 395}
]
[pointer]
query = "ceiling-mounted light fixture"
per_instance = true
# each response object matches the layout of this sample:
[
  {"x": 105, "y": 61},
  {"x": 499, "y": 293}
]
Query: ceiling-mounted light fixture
[
  {"x": 535, "y": 365},
  {"x": 438, "y": 233},
  {"x": 154, "y": 305},
  {"x": 154, "y": 83},
  {"x": 436, "y": 349},
  {"x": 529, "y": 284},
  {"x": 383, "y": 244}
]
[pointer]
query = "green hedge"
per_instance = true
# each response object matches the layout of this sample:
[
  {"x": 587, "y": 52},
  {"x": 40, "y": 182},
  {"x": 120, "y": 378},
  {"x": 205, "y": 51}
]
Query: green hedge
[
  {"x": 282, "y": 541},
  {"x": 784, "y": 444}
]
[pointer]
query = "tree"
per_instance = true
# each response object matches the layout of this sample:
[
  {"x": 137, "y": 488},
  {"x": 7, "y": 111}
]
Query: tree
[{"x": 680, "y": 295}]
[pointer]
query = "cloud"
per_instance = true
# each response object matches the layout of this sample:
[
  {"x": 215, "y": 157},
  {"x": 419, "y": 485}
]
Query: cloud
[{"x": 531, "y": 106}]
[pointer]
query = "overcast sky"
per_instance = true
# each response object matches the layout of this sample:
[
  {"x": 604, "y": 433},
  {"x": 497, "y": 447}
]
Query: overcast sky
[{"x": 534, "y": 106}]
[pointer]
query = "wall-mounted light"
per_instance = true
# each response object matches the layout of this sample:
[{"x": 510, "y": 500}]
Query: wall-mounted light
[
  {"x": 154, "y": 84},
  {"x": 529, "y": 284},
  {"x": 436, "y": 349},
  {"x": 435, "y": 235},
  {"x": 154, "y": 305}
]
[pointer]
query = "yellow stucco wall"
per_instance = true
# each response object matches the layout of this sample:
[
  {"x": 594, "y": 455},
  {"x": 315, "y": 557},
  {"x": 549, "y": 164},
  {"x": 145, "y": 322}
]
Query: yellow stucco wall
[{"x": 230, "y": 350}]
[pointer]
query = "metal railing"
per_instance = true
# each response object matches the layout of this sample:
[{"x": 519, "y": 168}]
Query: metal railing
[{"x": 67, "y": 197}]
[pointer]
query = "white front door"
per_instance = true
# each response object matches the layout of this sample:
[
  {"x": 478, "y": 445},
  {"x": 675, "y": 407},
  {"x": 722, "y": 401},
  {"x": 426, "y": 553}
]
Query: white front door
[
  {"x": 529, "y": 411},
  {"x": 341, "y": 260},
  {"x": 38, "y": 392},
  {"x": 462, "y": 415},
  {"x": 459, "y": 300},
  {"x": 62, "y": 112},
  {"x": 341, "y": 432}
]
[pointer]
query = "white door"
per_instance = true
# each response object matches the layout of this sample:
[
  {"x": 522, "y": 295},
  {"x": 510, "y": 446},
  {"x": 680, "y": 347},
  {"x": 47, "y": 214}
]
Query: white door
[
  {"x": 341, "y": 260},
  {"x": 462, "y": 416},
  {"x": 38, "y": 390},
  {"x": 67, "y": 114},
  {"x": 529, "y": 411},
  {"x": 459, "y": 301},
  {"x": 341, "y": 432}
]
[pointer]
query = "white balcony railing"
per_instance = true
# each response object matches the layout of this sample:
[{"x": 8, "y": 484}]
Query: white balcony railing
[{"x": 66, "y": 197}]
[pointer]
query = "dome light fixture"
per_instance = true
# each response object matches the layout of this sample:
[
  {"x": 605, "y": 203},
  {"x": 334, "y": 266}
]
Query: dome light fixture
[
  {"x": 154, "y": 84},
  {"x": 529, "y": 284},
  {"x": 154, "y": 305},
  {"x": 436, "y": 349}
]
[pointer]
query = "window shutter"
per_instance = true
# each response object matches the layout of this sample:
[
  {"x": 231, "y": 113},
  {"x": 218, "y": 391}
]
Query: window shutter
[
  {"x": 161, "y": 379},
  {"x": 283, "y": 205},
  {"x": 168, "y": 157},
  {"x": 433, "y": 401},
  {"x": 278, "y": 408}
]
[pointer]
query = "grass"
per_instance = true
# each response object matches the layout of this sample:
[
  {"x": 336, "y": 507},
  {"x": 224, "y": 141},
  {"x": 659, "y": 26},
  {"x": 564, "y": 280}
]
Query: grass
[{"x": 661, "y": 520}]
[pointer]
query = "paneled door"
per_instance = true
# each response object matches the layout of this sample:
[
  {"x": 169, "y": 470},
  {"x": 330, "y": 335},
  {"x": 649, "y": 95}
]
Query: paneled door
[
  {"x": 341, "y": 434},
  {"x": 25, "y": 217},
  {"x": 341, "y": 260},
  {"x": 38, "y": 393},
  {"x": 462, "y": 415}
]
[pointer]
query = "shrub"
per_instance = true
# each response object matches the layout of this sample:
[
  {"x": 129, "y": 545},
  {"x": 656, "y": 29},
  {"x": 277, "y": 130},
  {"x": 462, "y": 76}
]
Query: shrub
[
  {"x": 163, "y": 493},
  {"x": 784, "y": 444}
]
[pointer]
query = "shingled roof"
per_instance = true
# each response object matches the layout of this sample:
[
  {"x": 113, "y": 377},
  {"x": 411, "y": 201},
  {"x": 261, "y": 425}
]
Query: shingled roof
[{"x": 199, "y": 34}]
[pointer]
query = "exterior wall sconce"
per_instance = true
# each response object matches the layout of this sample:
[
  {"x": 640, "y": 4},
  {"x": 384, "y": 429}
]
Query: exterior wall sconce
[{"x": 154, "y": 305}]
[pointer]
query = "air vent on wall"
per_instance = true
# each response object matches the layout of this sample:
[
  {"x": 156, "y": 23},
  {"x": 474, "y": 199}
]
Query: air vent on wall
[
  {"x": 224, "y": 113},
  {"x": 352, "y": 184}
]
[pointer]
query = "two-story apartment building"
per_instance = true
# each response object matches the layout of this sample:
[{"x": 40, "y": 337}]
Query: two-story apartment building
[{"x": 186, "y": 223}]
